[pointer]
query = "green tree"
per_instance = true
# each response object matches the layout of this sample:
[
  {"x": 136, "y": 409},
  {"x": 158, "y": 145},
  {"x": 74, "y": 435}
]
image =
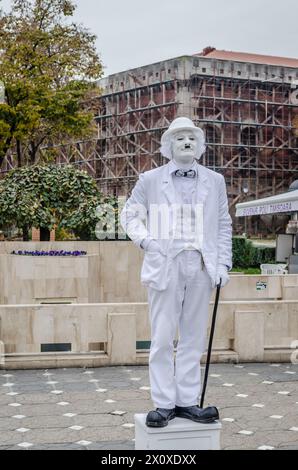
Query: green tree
[
  {"x": 48, "y": 65},
  {"x": 46, "y": 196}
]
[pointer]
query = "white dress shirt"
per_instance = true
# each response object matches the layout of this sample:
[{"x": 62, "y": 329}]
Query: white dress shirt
[
  {"x": 185, "y": 192},
  {"x": 185, "y": 188}
]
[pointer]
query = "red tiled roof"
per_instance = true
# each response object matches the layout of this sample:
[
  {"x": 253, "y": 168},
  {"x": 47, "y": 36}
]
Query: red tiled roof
[{"x": 247, "y": 57}]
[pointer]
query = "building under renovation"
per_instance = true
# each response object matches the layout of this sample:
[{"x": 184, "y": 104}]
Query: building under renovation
[{"x": 247, "y": 105}]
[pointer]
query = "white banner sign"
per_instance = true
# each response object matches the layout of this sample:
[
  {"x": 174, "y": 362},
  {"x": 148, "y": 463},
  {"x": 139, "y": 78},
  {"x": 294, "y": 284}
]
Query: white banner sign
[{"x": 269, "y": 208}]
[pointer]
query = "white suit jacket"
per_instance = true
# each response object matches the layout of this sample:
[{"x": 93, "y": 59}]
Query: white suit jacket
[{"x": 155, "y": 190}]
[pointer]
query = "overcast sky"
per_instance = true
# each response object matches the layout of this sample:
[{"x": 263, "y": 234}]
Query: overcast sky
[{"x": 131, "y": 33}]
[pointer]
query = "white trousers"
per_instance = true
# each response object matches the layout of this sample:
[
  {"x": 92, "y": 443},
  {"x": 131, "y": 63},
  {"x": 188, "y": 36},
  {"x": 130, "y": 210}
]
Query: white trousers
[{"x": 183, "y": 305}]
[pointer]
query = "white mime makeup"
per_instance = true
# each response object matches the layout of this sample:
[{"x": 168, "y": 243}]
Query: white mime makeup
[{"x": 184, "y": 148}]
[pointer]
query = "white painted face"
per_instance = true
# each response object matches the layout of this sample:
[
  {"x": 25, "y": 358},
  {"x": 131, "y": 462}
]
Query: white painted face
[{"x": 184, "y": 146}]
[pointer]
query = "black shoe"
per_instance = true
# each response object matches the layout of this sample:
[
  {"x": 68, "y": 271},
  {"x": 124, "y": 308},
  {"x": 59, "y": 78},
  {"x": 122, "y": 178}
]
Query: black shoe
[
  {"x": 160, "y": 417},
  {"x": 200, "y": 415}
]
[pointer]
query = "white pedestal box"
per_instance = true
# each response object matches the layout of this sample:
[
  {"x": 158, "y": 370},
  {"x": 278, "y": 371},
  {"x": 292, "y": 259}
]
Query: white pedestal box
[{"x": 179, "y": 434}]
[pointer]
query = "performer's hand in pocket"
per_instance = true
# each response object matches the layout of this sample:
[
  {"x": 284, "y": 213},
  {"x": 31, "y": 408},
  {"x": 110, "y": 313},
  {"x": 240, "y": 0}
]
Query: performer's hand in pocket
[{"x": 153, "y": 247}]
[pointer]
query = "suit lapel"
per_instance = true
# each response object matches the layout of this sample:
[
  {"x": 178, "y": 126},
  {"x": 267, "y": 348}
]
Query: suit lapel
[
  {"x": 167, "y": 185},
  {"x": 203, "y": 185}
]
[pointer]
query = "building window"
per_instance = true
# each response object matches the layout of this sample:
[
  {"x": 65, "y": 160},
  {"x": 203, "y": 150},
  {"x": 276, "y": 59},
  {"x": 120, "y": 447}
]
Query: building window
[
  {"x": 169, "y": 70},
  {"x": 204, "y": 70},
  {"x": 195, "y": 81},
  {"x": 238, "y": 72},
  {"x": 256, "y": 74},
  {"x": 249, "y": 136},
  {"x": 221, "y": 71},
  {"x": 157, "y": 74},
  {"x": 212, "y": 134}
]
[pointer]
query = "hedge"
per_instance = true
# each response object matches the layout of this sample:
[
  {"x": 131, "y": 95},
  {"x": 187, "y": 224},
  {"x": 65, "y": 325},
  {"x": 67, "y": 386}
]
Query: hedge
[{"x": 246, "y": 255}]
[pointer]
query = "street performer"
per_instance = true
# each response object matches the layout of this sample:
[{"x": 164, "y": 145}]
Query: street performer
[{"x": 178, "y": 214}]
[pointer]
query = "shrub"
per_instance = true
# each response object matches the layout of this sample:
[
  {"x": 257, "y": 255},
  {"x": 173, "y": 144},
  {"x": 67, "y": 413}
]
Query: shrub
[{"x": 246, "y": 255}]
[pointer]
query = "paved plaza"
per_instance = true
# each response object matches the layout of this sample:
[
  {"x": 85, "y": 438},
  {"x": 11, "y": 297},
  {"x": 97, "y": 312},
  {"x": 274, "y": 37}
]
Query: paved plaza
[{"x": 94, "y": 408}]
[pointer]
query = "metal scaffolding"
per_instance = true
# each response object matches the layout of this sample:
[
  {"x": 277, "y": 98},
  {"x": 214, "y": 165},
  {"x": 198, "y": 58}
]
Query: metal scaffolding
[{"x": 247, "y": 110}]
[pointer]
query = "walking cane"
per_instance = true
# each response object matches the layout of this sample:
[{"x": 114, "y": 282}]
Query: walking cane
[{"x": 210, "y": 344}]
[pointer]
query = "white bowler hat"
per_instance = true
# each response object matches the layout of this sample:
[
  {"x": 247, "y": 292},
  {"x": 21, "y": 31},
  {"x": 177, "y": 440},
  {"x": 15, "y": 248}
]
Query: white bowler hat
[{"x": 182, "y": 124}]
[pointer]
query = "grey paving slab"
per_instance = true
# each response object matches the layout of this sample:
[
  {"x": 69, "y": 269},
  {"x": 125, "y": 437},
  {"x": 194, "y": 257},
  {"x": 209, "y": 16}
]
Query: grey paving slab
[{"x": 45, "y": 419}]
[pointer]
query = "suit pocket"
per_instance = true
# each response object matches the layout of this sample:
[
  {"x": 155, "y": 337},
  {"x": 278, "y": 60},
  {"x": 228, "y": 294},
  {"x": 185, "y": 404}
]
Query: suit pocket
[{"x": 154, "y": 271}]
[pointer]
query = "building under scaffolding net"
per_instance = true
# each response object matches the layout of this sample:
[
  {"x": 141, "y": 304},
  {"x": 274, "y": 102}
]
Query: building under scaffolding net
[{"x": 247, "y": 105}]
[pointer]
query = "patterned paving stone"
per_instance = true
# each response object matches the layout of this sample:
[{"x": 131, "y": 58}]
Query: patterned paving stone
[{"x": 255, "y": 415}]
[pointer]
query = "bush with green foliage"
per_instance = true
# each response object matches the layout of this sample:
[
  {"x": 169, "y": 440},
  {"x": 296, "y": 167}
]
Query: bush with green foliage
[
  {"x": 49, "y": 196},
  {"x": 246, "y": 255}
]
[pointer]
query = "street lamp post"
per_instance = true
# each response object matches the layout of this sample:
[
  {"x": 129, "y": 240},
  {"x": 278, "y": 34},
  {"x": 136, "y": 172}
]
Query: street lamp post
[{"x": 245, "y": 190}]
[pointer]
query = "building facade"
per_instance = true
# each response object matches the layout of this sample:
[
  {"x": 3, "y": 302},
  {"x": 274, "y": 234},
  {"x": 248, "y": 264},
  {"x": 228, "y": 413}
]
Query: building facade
[{"x": 246, "y": 104}]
